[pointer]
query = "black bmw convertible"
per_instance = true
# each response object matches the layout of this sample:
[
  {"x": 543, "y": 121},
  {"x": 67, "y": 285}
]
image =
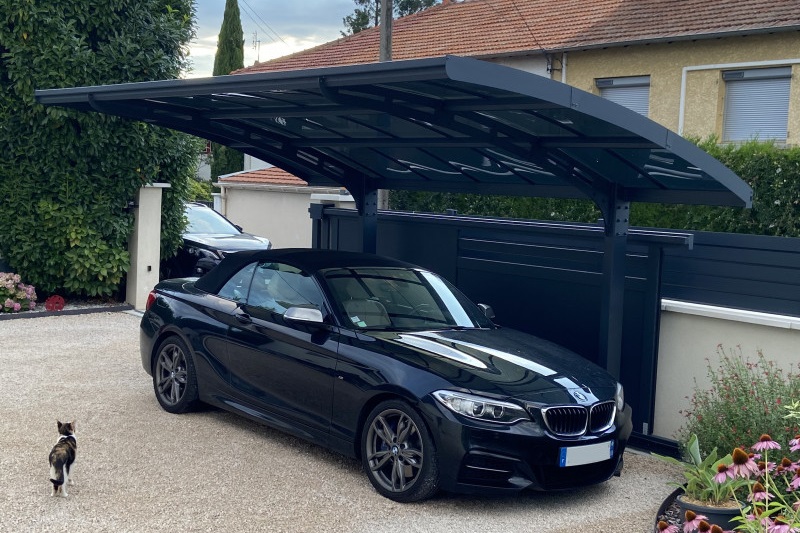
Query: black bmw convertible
[{"x": 388, "y": 362}]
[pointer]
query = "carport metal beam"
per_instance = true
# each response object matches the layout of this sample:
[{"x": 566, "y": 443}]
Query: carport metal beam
[{"x": 442, "y": 124}]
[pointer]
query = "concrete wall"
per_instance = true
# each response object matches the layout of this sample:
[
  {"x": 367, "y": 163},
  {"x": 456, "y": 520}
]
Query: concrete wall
[
  {"x": 690, "y": 335},
  {"x": 277, "y": 213},
  {"x": 694, "y": 68}
]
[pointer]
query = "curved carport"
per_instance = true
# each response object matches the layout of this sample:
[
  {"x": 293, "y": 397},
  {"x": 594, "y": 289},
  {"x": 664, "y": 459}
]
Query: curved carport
[{"x": 445, "y": 124}]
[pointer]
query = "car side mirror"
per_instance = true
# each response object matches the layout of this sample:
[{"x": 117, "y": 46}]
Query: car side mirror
[
  {"x": 487, "y": 310},
  {"x": 304, "y": 315}
]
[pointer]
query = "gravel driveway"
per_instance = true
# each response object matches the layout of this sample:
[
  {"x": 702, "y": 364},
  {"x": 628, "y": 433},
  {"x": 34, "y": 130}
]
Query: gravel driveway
[{"x": 142, "y": 469}]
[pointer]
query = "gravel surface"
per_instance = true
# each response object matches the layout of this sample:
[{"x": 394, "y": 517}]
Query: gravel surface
[{"x": 142, "y": 469}]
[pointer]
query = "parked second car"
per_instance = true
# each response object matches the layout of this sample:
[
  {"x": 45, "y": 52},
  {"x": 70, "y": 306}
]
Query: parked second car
[
  {"x": 388, "y": 362},
  {"x": 208, "y": 237}
]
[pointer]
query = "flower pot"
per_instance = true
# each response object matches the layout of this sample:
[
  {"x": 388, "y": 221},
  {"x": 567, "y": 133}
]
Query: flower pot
[{"x": 721, "y": 516}]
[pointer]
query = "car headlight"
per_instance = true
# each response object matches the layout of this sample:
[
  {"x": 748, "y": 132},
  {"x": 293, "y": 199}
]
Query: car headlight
[
  {"x": 203, "y": 253},
  {"x": 481, "y": 408},
  {"x": 619, "y": 397}
]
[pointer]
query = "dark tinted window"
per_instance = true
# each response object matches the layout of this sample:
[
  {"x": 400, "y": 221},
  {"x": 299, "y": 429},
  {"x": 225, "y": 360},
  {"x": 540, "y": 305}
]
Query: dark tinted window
[
  {"x": 236, "y": 287},
  {"x": 277, "y": 287},
  {"x": 400, "y": 298}
]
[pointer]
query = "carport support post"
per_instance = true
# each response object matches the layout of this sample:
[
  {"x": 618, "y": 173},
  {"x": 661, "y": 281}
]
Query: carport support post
[
  {"x": 368, "y": 209},
  {"x": 145, "y": 245},
  {"x": 616, "y": 214}
]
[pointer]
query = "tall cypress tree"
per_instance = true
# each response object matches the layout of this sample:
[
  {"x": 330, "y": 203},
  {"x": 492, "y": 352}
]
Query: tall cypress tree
[{"x": 229, "y": 57}]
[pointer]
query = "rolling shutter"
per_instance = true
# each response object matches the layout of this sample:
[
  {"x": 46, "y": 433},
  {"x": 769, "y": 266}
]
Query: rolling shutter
[
  {"x": 632, "y": 92},
  {"x": 756, "y": 104}
]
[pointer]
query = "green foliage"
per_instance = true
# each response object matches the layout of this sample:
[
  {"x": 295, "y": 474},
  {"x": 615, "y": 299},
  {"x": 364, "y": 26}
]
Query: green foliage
[
  {"x": 773, "y": 173},
  {"x": 200, "y": 191},
  {"x": 68, "y": 176},
  {"x": 229, "y": 57},
  {"x": 368, "y": 12},
  {"x": 496, "y": 206},
  {"x": 744, "y": 400},
  {"x": 699, "y": 474}
]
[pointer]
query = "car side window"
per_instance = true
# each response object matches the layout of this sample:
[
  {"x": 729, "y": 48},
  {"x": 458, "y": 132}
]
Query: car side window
[
  {"x": 277, "y": 287},
  {"x": 236, "y": 287}
]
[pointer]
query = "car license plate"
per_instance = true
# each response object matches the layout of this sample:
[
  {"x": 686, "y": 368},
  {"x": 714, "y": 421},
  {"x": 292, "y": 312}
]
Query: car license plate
[{"x": 584, "y": 455}]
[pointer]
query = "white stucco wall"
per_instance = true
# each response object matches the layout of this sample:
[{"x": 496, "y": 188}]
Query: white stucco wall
[
  {"x": 277, "y": 213},
  {"x": 689, "y": 337},
  {"x": 535, "y": 64}
]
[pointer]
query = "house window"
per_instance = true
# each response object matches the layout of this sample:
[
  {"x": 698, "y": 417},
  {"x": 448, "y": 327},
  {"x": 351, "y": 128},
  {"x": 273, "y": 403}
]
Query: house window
[
  {"x": 756, "y": 104},
  {"x": 632, "y": 92}
]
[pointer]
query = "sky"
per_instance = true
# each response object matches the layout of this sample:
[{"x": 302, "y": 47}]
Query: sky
[{"x": 282, "y": 26}]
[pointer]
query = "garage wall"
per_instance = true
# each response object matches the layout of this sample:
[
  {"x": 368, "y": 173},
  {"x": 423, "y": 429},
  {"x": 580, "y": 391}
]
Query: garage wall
[{"x": 690, "y": 335}]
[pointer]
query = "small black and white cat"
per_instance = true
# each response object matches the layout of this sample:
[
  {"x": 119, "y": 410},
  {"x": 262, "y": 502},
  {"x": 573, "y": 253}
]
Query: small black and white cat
[{"x": 62, "y": 456}]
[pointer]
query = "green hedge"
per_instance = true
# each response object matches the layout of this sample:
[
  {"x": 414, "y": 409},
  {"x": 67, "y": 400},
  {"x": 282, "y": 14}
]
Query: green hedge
[
  {"x": 773, "y": 173},
  {"x": 67, "y": 177}
]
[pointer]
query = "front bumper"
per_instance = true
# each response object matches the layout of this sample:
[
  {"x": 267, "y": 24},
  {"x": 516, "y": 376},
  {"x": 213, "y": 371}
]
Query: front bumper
[{"x": 481, "y": 457}]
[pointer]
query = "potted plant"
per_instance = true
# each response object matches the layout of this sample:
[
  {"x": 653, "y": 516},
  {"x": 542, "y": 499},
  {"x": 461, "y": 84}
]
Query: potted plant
[
  {"x": 709, "y": 487},
  {"x": 743, "y": 491}
]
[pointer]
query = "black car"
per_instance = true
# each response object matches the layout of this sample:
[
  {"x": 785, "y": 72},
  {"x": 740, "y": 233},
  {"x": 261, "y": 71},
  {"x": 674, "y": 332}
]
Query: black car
[
  {"x": 208, "y": 237},
  {"x": 385, "y": 361}
]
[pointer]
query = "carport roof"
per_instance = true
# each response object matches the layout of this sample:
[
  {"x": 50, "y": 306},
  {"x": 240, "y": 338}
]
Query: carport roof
[{"x": 445, "y": 124}]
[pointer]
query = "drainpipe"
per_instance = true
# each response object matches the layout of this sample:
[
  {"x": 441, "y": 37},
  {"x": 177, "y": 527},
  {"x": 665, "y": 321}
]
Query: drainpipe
[{"x": 564, "y": 67}]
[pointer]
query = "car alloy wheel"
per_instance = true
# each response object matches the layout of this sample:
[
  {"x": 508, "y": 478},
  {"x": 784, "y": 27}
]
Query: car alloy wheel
[
  {"x": 174, "y": 378},
  {"x": 398, "y": 453}
]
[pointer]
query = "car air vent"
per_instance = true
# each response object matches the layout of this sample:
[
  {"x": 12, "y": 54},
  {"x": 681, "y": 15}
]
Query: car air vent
[
  {"x": 566, "y": 421},
  {"x": 601, "y": 416}
]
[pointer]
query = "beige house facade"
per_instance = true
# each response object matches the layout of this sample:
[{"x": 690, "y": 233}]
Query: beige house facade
[{"x": 690, "y": 82}]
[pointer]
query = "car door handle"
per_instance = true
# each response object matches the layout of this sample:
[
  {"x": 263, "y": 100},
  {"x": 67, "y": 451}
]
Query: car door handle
[{"x": 243, "y": 318}]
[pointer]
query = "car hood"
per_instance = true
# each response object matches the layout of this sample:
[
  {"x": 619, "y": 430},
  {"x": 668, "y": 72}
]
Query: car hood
[
  {"x": 228, "y": 243},
  {"x": 504, "y": 362}
]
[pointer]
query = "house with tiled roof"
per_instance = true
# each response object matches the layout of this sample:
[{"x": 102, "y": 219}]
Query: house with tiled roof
[
  {"x": 244, "y": 197},
  {"x": 698, "y": 67}
]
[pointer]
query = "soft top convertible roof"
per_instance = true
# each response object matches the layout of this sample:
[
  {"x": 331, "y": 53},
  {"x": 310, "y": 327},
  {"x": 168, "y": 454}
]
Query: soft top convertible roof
[{"x": 444, "y": 124}]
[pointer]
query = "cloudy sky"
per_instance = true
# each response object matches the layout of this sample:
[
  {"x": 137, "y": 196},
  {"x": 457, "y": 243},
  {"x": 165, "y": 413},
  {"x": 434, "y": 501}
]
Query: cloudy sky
[{"x": 282, "y": 26}]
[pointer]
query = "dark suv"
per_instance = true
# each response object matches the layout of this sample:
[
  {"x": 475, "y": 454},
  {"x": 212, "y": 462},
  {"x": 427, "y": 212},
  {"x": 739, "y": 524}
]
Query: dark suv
[{"x": 206, "y": 240}]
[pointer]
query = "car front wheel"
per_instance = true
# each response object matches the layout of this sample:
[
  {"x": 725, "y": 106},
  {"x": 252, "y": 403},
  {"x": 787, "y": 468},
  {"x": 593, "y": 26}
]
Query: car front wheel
[
  {"x": 398, "y": 454},
  {"x": 174, "y": 377}
]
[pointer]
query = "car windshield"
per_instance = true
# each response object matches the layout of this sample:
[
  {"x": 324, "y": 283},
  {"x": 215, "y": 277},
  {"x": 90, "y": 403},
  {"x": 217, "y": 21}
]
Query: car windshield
[
  {"x": 206, "y": 220},
  {"x": 400, "y": 299}
]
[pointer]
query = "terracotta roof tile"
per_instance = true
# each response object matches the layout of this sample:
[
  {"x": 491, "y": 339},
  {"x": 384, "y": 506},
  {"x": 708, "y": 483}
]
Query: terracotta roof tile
[
  {"x": 265, "y": 176},
  {"x": 486, "y": 28}
]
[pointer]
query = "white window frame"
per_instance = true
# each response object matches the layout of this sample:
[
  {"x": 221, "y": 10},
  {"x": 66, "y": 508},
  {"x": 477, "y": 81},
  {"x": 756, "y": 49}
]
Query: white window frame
[{"x": 756, "y": 104}]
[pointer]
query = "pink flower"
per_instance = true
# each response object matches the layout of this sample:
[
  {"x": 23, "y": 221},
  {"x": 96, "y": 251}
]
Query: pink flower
[
  {"x": 724, "y": 472},
  {"x": 664, "y": 527},
  {"x": 759, "y": 493},
  {"x": 743, "y": 465},
  {"x": 766, "y": 443},
  {"x": 692, "y": 521},
  {"x": 794, "y": 444},
  {"x": 779, "y": 526},
  {"x": 795, "y": 483},
  {"x": 17, "y": 306}
]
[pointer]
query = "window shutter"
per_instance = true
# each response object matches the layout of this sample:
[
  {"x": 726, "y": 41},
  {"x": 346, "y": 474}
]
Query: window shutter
[
  {"x": 632, "y": 92},
  {"x": 756, "y": 106}
]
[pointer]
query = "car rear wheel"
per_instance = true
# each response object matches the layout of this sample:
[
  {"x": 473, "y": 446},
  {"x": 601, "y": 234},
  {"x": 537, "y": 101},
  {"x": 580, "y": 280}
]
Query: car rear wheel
[
  {"x": 174, "y": 377},
  {"x": 398, "y": 454}
]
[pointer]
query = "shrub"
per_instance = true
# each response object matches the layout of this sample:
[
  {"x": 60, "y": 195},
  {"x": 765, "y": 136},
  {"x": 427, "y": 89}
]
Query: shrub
[
  {"x": 745, "y": 400},
  {"x": 15, "y": 296},
  {"x": 68, "y": 176}
]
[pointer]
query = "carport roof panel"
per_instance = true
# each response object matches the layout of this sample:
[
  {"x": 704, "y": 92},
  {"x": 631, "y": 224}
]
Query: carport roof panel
[{"x": 449, "y": 124}]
